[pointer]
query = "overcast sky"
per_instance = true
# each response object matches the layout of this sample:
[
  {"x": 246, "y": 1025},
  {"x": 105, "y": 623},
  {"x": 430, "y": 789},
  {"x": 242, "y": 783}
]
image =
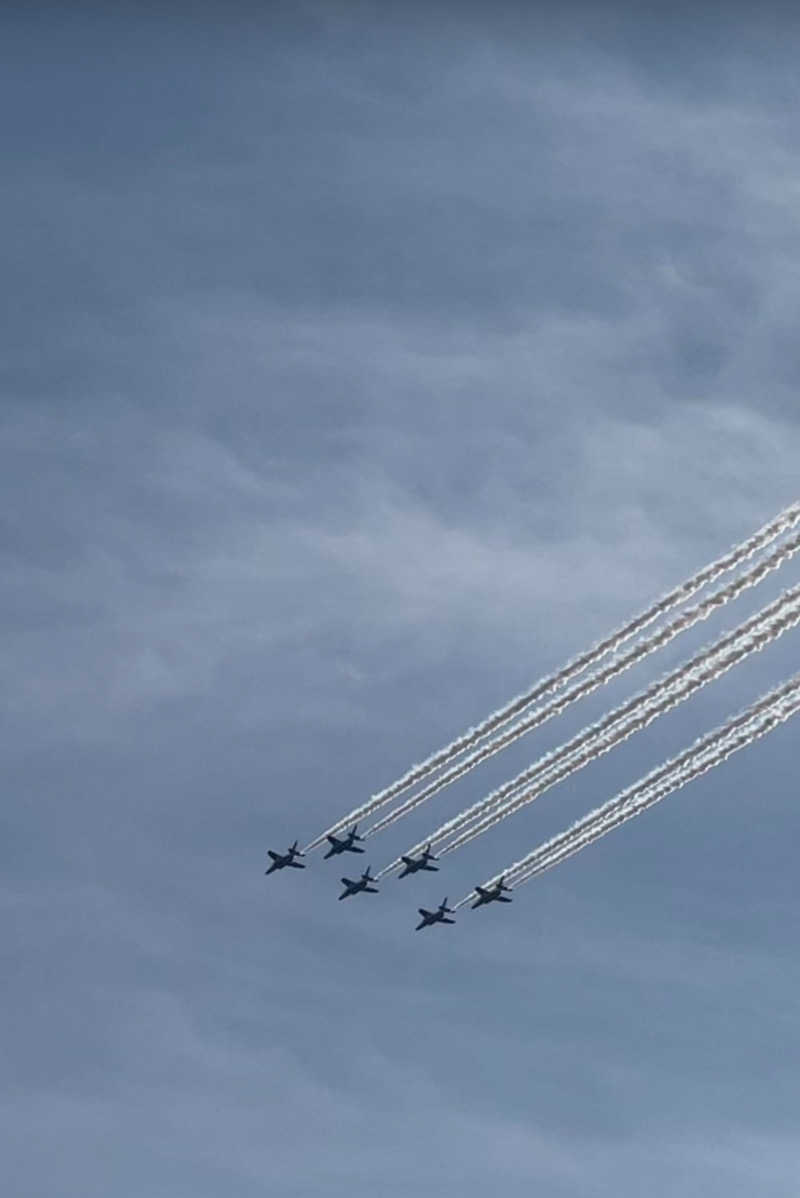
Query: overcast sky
[{"x": 356, "y": 370}]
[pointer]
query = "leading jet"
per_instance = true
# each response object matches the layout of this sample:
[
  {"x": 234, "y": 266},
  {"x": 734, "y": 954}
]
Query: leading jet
[
  {"x": 429, "y": 918},
  {"x": 412, "y": 865},
  {"x": 346, "y": 845},
  {"x": 362, "y": 886},
  {"x": 282, "y": 860},
  {"x": 494, "y": 894}
]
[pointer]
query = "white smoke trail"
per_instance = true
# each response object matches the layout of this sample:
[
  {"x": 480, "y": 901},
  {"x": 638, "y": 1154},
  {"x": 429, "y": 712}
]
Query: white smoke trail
[
  {"x": 739, "y": 554},
  {"x": 709, "y": 750},
  {"x": 587, "y": 686},
  {"x": 701, "y": 764},
  {"x": 695, "y": 678},
  {"x": 558, "y": 843},
  {"x": 591, "y": 734}
]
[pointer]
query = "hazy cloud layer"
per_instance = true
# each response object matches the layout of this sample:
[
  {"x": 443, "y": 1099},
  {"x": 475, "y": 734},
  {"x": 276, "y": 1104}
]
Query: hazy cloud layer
[{"x": 356, "y": 370}]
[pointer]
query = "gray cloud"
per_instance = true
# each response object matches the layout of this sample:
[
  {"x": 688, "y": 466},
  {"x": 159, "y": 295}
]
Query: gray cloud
[{"x": 356, "y": 371}]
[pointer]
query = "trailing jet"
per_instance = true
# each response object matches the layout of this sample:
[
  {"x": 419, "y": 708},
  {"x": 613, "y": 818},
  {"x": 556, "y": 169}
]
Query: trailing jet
[
  {"x": 412, "y": 865},
  {"x": 429, "y": 918},
  {"x": 346, "y": 845},
  {"x": 493, "y": 895},
  {"x": 362, "y": 886},
  {"x": 281, "y": 860}
]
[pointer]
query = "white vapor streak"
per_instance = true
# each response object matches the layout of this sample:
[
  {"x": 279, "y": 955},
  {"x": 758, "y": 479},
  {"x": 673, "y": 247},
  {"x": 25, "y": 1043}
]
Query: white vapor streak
[
  {"x": 698, "y": 673},
  {"x": 701, "y": 764},
  {"x": 558, "y": 843},
  {"x": 593, "y": 732},
  {"x": 594, "y": 681},
  {"x": 552, "y": 682},
  {"x": 677, "y": 771}
]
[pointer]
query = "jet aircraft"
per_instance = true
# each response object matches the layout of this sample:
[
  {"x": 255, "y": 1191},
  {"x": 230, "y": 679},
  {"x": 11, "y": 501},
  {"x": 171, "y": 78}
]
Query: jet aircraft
[
  {"x": 346, "y": 845},
  {"x": 412, "y": 865},
  {"x": 281, "y": 860},
  {"x": 362, "y": 886},
  {"x": 493, "y": 895},
  {"x": 429, "y": 918}
]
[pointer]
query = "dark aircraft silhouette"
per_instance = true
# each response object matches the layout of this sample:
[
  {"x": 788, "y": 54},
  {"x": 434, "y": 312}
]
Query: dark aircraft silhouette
[
  {"x": 347, "y": 845},
  {"x": 493, "y": 895},
  {"x": 362, "y": 886},
  {"x": 412, "y": 865},
  {"x": 281, "y": 860},
  {"x": 429, "y": 918}
]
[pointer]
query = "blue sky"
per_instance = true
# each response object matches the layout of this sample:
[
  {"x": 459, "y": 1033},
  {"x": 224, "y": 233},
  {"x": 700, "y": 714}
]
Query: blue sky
[{"x": 357, "y": 369}]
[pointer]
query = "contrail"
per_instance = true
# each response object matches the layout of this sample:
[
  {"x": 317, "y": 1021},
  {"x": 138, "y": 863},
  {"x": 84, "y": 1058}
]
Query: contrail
[
  {"x": 656, "y": 776},
  {"x": 552, "y": 682},
  {"x": 766, "y": 631},
  {"x": 592, "y": 734},
  {"x": 706, "y": 752},
  {"x": 483, "y": 806},
  {"x": 701, "y": 764},
  {"x": 593, "y": 682}
]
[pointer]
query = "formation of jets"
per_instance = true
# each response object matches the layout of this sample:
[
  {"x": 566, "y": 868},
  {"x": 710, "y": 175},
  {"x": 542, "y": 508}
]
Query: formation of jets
[{"x": 365, "y": 884}]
